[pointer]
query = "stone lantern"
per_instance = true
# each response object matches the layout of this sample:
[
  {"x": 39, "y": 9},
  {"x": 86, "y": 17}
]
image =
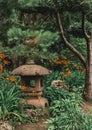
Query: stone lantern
[{"x": 32, "y": 81}]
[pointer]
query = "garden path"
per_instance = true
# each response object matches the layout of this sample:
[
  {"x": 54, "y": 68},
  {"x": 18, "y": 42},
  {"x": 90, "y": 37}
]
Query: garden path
[
  {"x": 87, "y": 107},
  {"x": 40, "y": 125}
]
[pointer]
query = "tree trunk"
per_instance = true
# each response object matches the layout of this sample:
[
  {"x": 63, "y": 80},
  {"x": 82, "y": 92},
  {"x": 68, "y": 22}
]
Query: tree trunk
[
  {"x": 88, "y": 84},
  {"x": 87, "y": 63}
]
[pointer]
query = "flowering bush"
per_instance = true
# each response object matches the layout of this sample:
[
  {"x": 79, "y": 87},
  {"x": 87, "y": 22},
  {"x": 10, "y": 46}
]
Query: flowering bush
[
  {"x": 9, "y": 99},
  {"x": 3, "y": 62}
]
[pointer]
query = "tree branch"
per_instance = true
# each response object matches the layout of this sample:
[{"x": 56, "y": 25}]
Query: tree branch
[
  {"x": 83, "y": 27},
  {"x": 74, "y": 50}
]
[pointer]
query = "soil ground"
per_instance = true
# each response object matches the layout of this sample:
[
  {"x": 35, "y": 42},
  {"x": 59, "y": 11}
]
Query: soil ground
[
  {"x": 87, "y": 107},
  {"x": 33, "y": 126},
  {"x": 40, "y": 125}
]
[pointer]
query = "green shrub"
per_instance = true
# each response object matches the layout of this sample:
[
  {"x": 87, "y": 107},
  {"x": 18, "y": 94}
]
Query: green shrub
[
  {"x": 10, "y": 109},
  {"x": 68, "y": 115},
  {"x": 73, "y": 121},
  {"x": 73, "y": 82},
  {"x": 49, "y": 78},
  {"x": 64, "y": 105},
  {"x": 52, "y": 94},
  {"x": 9, "y": 100},
  {"x": 76, "y": 79}
]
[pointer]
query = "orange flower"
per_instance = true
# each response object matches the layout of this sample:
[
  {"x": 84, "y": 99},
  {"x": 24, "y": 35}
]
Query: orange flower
[
  {"x": 76, "y": 66},
  {"x": 65, "y": 75},
  {"x": 62, "y": 73},
  {"x": 69, "y": 73},
  {"x": 56, "y": 58},
  {"x": 33, "y": 91},
  {"x": 12, "y": 78},
  {"x": 2, "y": 55},
  {"x": 67, "y": 69},
  {"x": 6, "y": 62},
  {"x": 50, "y": 61},
  {"x": 23, "y": 87},
  {"x": 58, "y": 62},
  {"x": 65, "y": 62},
  {"x": 63, "y": 81},
  {"x": 1, "y": 68}
]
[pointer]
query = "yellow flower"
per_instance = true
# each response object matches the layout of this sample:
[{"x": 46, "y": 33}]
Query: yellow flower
[{"x": 12, "y": 78}]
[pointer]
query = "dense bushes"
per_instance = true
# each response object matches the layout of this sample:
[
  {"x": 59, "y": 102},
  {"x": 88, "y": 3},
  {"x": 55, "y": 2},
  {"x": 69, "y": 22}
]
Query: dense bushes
[
  {"x": 9, "y": 100},
  {"x": 66, "y": 105},
  {"x": 53, "y": 94},
  {"x": 66, "y": 111},
  {"x": 10, "y": 107},
  {"x": 67, "y": 115},
  {"x": 76, "y": 79}
]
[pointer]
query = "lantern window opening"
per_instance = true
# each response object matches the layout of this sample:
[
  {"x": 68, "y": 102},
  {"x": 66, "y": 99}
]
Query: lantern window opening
[
  {"x": 41, "y": 82},
  {"x": 32, "y": 83}
]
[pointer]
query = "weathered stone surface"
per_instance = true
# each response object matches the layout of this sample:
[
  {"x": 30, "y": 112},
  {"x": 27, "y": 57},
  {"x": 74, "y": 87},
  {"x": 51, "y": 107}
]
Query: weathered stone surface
[
  {"x": 38, "y": 103},
  {"x": 58, "y": 84},
  {"x": 5, "y": 126},
  {"x": 32, "y": 83},
  {"x": 31, "y": 69}
]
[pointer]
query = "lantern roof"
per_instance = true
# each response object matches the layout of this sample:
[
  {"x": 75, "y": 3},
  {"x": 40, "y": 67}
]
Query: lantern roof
[{"x": 31, "y": 69}]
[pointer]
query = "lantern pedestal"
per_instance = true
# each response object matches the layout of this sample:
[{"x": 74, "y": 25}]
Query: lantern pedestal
[
  {"x": 40, "y": 102},
  {"x": 32, "y": 81},
  {"x": 33, "y": 97}
]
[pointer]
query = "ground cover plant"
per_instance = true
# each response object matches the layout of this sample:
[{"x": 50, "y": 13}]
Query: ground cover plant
[
  {"x": 10, "y": 107},
  {"x": 66, "y": 109},
  {"x": 66, "y": 105},
  {"x": 58, "y": 35},
  {"x": 68, "y": 115},
  {"x": 10, "y": 96}
]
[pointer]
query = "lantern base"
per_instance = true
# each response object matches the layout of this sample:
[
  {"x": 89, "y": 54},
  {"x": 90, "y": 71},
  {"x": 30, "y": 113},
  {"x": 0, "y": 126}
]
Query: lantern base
[{"x": 40, "y": 102}]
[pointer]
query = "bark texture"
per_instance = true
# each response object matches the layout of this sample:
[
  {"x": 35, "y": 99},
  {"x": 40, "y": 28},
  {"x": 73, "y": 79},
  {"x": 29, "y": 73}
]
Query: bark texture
[
  {"x": 88, "y": 85},
  {"x": 86, "y": 62}
]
